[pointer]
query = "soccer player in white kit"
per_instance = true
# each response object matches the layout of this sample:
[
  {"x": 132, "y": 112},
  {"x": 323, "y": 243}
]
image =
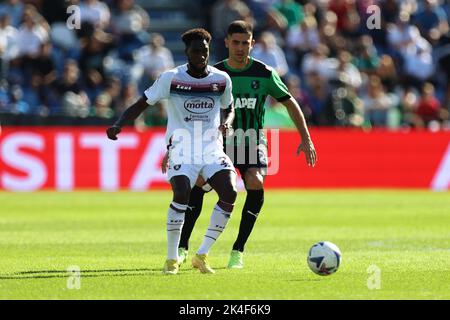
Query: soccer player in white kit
[{"x": 200, "y": 111}]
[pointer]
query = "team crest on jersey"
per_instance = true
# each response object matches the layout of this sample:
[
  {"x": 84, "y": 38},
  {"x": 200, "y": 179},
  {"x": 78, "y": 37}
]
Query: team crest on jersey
[
  {"x": 255, "y": 84},
  {"x": 214, "y": 87}
]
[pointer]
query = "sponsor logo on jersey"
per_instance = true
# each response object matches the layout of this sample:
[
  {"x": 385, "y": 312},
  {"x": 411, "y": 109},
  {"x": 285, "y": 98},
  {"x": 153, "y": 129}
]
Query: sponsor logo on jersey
[
  {"x": 199, "y": 105},
  {"x": 255, "y": 84},
  {"x": 249, "y": 103}
]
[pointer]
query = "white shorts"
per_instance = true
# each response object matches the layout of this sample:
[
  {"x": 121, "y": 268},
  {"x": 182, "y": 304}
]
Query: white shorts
[{"x": 206, "y": 170}]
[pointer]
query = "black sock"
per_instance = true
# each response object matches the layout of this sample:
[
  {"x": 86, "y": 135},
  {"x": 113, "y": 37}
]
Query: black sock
[
  {"x": 253, "y": 204},
  {"x": 192, "y": 213}
]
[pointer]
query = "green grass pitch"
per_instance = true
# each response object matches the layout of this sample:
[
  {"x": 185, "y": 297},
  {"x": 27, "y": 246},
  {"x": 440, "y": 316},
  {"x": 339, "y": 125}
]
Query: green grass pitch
[{"x": 118, "y": 241}]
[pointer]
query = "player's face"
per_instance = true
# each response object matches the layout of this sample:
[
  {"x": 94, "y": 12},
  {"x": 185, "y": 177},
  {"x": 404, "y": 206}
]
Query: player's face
[
  {"x": 198, "y": 54},
  {"x": 239, "y": 46}
]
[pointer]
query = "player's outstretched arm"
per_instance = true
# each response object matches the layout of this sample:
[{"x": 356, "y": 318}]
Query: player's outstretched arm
[
  {"x": 128, "y": 115},
  {"x": 306, "y": 145}
]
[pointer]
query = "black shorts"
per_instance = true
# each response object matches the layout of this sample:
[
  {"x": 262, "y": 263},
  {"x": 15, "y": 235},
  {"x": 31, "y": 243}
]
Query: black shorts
[{"x": 244, "y": 158}]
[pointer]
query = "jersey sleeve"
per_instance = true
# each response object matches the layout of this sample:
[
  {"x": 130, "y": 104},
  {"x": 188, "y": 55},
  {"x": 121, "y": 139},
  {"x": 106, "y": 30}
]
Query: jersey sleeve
[
  {"x": 227, "y": 96},
  {"x": 160, "y": 89},
  {"x": 277, "y": 89}
]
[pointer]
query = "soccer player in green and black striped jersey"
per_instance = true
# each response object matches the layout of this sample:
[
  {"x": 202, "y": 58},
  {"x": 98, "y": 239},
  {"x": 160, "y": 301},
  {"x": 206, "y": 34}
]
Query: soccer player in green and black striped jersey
[{"x": 252, "y": 82}]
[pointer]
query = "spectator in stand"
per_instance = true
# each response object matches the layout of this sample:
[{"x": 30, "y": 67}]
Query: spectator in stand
[
  {"x": 106, "y": 102},
  {"x": 402, "y": 35},
  {"x": 328, "y": 31},
  {"x": 291, "y": 10},
  {"x": 429, "y": 110},
  {"x": 418, "y": 64},
  {"x": 387, "y": 73},
  {"x": 377, "y": 103},
  {"x": 267, "y": 18},
  {"x": 17, "y": 105},
  {"x": 43, "y": 65},
  {"x": 390, "y": 10},
  {"x": 432, "y": 21},
  {"x": 348, "y": 19},
  {"x": 4, "y": 96},
  {"x": 93, "y": 84},
  {"x": 408, "y": 102},
  {"x": 317, "y": 97},
  {"x": 129, "y": 24},
  {"x": 14, "y": 9},
  {"x": 74, "y": 101},
  {"x": 95, "y": 12},
  {"x": 94, "y": 50},
  {"x": 154, "y": 58},
  {"x": 446, "y": 7},
  {"x": 303, "y": 38},
  {"x": 345, "y": 71},
  {"x": 318, "y": 61},
  {"x": 268, "y": 51},
  {"x": 367, "y": 60},
  {"x": 33, "y": 94},
  {"x": 32, "y": 33},
  {"x": 8, "y": 44},
  {"x": 294, "y": 86}
]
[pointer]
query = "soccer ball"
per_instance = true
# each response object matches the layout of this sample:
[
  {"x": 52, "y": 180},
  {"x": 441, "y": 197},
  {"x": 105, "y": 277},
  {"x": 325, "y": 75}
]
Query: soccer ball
[{"x": 324, "y": 258}]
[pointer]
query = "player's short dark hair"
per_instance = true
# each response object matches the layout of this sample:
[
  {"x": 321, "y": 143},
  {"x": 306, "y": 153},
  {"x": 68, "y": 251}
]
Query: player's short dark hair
[
  {"x": 240, "y": 26},
  {"x": 195, "y": 34}
]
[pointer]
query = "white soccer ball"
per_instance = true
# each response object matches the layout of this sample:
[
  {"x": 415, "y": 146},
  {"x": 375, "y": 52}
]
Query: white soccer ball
[{"x": 324, "y": 258}]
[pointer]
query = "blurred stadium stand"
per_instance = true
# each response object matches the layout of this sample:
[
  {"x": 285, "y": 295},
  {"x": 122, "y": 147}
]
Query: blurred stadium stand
[
  {"x": 171, "y": 19},
  {"x": 345, "y": 75}
]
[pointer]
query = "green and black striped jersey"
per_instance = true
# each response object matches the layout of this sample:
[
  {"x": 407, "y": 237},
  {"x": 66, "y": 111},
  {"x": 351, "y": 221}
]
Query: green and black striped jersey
[{"x": 251, "y": 86}]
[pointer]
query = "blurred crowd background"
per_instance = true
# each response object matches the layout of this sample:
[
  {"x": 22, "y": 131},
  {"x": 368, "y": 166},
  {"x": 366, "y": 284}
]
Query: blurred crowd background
[{"x": 342, "y": 71}]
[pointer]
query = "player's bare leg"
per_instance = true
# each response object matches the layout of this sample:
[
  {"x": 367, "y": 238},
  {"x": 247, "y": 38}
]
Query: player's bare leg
[
  {"x": 175, "y": 219},
  {"x": 254, "y": 183},
  {"x": 224, "y": 183}
]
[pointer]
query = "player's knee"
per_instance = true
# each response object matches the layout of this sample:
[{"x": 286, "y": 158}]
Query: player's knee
[
  {"x": 254, "y": 181},
  {"x": 229, "y": 195},
  {"x": 200, "y": 182},
  {"x": 181, "y": 196},
  {"x": 181, "y": 191}
]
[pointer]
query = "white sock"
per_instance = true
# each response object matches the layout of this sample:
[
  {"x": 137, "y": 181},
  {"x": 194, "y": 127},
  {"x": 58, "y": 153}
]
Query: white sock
[
  {"x": 219, "y": 220},
  {"x": 175, "y": 221}
]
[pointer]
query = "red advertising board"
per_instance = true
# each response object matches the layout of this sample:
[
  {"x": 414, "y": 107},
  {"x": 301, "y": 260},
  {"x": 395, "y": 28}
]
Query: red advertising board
[{"x": 70, "y": 158}]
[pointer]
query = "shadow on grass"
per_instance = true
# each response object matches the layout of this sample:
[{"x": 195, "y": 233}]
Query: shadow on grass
[
  {"x": 49, "y": 274},
  {"x": 304, "y": 280}
]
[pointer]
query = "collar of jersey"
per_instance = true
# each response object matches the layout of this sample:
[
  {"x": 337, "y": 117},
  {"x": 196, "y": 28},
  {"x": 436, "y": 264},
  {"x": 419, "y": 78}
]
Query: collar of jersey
[
  {"x": 207, "y": 67},
  {"x": 240, "y": 70}
]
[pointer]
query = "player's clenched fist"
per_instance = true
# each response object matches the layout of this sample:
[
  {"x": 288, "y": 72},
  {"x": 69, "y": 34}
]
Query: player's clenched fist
[{"x": 112, "y": 132}]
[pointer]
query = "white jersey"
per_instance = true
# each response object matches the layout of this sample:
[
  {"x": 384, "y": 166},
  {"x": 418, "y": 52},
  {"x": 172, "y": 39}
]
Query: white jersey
[{"x": 194, "y": 105}]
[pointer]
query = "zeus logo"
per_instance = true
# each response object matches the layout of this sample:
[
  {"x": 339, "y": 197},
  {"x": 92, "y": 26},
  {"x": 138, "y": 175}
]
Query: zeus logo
[
  {"x": 249, "y": 103},
  {"x": 181, "y": 87}
]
